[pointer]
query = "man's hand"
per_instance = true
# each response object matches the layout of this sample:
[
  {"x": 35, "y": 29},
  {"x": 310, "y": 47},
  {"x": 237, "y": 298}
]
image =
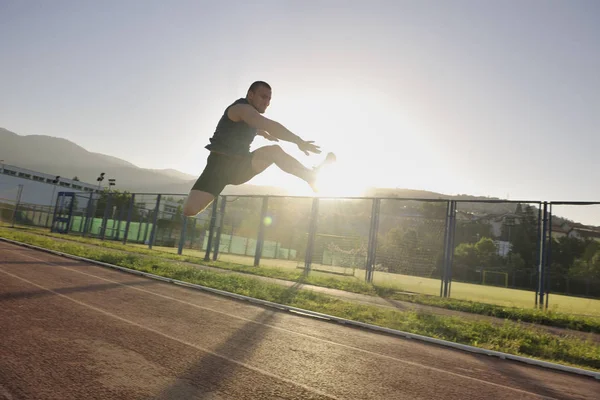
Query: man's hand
[
  {"x": 308, "y": 147},
  {"x": 266, "y": 135}
]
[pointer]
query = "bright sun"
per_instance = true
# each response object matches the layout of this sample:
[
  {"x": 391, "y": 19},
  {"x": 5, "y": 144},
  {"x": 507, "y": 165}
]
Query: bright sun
[{"x": 333, "y": 181}]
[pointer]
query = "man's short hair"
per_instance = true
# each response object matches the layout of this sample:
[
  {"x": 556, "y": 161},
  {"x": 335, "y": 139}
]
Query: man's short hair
[{"x": 258, "y": 84}]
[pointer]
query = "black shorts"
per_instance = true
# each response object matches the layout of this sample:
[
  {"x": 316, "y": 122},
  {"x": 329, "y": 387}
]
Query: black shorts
[{"x": 222, "y": 170}]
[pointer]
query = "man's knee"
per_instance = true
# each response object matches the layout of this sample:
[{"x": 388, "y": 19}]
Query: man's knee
[
  {"x": 196, "y": 202},
  {"x": 273, "y": 150},
  {"x": 189, "y": 210},
  {"x": 265, "y": 156}
]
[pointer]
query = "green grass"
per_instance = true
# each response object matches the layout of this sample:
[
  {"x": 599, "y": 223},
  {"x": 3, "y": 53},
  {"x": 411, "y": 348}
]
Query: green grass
[
  {"x": 509, "y": 337},
  {"x": 499, "y": 296},
  {"x": 488, "y": 294},
  {"x": 541, "y": 317},
  {"x": 288, "y": 271},
  {"x": 347, "y": 283}
]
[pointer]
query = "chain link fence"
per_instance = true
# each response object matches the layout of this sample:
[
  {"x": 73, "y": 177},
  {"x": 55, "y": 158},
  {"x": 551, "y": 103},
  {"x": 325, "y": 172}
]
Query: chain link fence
[
  {"x": 496, "y": 244},
  {"x": 410, "y": 245},
  {"x": 477, "y": 250},
  {"x": 341, "y": 237},
  {"x": 8, "y": 200},
  {"x": 573, "y": 259},
  {"x": 14, "y": 211}
]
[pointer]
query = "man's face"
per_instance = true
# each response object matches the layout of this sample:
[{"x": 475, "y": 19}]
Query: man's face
[{"x": 260, "y": 98}]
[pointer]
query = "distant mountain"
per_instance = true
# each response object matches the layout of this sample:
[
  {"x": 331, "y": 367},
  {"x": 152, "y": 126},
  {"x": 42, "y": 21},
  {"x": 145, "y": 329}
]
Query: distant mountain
[
  {"x": 466, "y": 201},
  {"x": 57, "y": 156},
  {"x": 174, "y": 174},
  {"x": 62, "y": 157}
]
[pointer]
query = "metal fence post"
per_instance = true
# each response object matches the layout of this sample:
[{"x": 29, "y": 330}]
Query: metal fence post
[
  {"x": 548, "y": 257},
  {"x": 129, "y": 216},
  {"x": 195, "y": 221},
  {"x": 261, "y": 232},
  {"x": 312, "y": 230},
  {"x": 537, "y": 252},
  {"x": 117, "y": 236},
  {"x": 372, "y": 246},
  {"x": 182, "y": 235},
  {"x": 140, "y": 228},
  {"x": 220, "y": 222},
  {"x": 453, "y": 205},
  {"x": 147, "y": 224},
  {"x": 88, "y": 215},
  {"x": 211, "y": 229},
  {"x": 16, "y": 210},
  {"x": 542, "y": 258},
  {"x": 82, "y": 220},
  {"x": 56, "y": 210},
  {"x": 155, "y": 219},
  {"x": 105, "y": 216},
  {"x": 448, "y": 248}
]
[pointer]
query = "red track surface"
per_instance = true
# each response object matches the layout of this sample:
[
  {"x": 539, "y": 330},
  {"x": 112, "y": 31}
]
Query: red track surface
[{"x": 74, "y": 330}]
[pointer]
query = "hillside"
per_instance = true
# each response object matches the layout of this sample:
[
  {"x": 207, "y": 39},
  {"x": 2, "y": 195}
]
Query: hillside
[
  {"x": 63, "y": 157},
  {"x": 59, "y": 156}
]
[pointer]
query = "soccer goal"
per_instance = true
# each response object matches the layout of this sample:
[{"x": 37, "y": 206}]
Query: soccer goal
[
  {"x": 495, "y": 278},
  {"x": 337, "y": 254}
]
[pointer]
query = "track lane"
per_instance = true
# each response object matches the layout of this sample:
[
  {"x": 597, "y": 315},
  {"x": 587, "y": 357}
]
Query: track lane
[{"x": 320, "y": 358}]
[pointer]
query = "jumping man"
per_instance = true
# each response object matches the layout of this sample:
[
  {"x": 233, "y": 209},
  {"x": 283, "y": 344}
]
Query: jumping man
[{"x": 230, "y": 161}]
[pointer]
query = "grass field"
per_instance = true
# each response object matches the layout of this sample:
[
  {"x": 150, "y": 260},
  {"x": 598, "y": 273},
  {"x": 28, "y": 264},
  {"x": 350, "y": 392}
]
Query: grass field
[{"x": 464, "y": 291}]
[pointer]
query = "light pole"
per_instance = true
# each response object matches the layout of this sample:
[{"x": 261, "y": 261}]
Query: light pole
[{"x": 100, "y": 179}]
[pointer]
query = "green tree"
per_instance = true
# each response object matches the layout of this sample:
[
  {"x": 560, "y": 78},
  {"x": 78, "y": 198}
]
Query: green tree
[
  {"x": 591, "y": 250},
  {"x": 586, "y": 269},
  {"x": 434, "y": 210},
  {"x": 515, "y": 263},
  {"x": 465, "y": 256},
  {"x": 487, "y": 252},
  {"x": 470, "y": 231},
  {"x": 524, "y": 236},
  {"x": 118, "y": 200},
  {"x": 595, "y": 266},
  {"x": 565, "y": 251},
  {"x": 469, "y": 258}
]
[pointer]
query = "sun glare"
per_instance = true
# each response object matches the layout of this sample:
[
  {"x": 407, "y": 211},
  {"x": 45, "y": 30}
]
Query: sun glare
[
  {"x": 337, "y": 182},
  {"x": 333, "y": 181}
]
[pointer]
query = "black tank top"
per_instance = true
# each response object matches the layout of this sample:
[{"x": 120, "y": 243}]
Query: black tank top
[{"x": 232, "y": 137}]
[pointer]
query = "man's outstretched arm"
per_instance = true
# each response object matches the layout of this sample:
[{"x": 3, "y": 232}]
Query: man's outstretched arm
[{"x": 248, "y": 114}]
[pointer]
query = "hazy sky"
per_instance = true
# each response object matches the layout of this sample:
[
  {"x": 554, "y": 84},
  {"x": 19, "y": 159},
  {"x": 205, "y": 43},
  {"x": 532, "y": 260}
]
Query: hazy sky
[{"x": 479, "y": 97}]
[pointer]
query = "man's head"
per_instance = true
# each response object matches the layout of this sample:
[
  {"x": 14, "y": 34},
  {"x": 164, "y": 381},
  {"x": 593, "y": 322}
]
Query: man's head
[{"x": 259, "y": 96}]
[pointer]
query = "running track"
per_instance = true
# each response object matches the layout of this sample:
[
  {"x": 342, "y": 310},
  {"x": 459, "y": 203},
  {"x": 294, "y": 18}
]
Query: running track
[{"x": 72, "y": 330}]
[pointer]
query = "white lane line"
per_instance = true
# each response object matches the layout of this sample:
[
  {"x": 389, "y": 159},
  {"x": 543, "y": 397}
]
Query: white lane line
[
  {"x": 294, "y": 332},
  {"x": 107, "y": 313}
]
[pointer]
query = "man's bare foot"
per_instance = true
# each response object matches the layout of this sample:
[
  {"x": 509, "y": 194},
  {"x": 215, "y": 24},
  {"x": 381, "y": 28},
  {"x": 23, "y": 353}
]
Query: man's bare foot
[
  {"x": 329, "y": 159},
  {"x": 312, "y": 180}
]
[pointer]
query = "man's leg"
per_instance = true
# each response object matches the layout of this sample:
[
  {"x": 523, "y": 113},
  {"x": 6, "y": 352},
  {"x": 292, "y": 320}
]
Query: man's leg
[
  {"x": 196, "y": 202},
  {"x": 208, "y": 185},
  {"x": 265, "y": 156}
]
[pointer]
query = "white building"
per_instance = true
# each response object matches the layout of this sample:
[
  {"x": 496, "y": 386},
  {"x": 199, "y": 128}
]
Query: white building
[
  {"x": 38, "y": 187},
  {"x": 167, "y": 208},
  {"x": 39, "y": 190}
]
